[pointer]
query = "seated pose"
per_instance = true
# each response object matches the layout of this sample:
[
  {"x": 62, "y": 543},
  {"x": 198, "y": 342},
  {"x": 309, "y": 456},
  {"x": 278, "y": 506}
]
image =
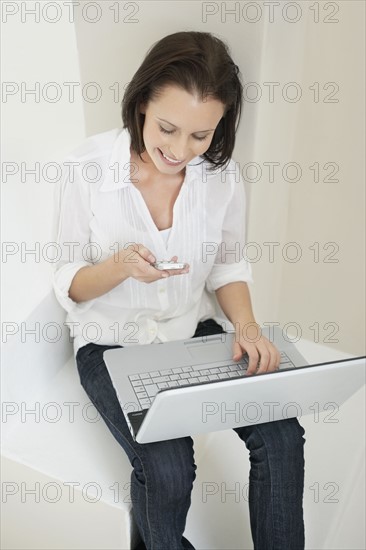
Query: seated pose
[{"x": 164, "y": 187}]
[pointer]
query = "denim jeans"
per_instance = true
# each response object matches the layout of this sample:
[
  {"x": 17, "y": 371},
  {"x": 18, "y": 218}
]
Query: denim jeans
[{"x": 163, "y": 472}]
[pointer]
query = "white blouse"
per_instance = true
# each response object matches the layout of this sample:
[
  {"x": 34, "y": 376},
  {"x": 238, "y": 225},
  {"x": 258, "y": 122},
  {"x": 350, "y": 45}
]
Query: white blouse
[
  {"x": 101, "y": 211},
  {"x": 165, "y": 234}
]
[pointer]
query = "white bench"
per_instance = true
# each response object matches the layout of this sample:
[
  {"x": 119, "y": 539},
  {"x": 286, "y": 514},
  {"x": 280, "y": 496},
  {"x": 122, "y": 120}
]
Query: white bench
[{"x": 66, "y": 480}]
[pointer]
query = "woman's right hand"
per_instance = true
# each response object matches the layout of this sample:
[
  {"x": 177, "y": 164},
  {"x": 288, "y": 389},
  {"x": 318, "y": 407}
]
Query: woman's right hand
[{"x": 135, "y": 261}]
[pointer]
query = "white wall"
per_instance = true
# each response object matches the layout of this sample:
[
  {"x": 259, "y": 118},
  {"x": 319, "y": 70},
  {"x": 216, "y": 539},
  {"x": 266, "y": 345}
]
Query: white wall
[
  {"x": 34, "y": 130},
  {"x": 330, "y": 212}
]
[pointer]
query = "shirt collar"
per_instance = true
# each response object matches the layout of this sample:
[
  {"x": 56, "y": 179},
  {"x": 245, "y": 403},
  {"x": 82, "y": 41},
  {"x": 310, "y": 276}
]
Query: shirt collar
[{"x": 118, "y": 168}]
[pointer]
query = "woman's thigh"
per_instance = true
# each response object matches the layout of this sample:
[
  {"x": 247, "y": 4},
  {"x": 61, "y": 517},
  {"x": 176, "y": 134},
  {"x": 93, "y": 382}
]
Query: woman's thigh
[
  {"x": 276, "y": 449},
  {"x": 95, "y": 380},
  {"x": 159, "y": 457}
]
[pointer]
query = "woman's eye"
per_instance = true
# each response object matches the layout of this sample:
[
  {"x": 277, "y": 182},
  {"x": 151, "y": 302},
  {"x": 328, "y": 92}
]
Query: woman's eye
[
  {"x": 165, "y": 131},
  {"x": 172, "y": 131}
]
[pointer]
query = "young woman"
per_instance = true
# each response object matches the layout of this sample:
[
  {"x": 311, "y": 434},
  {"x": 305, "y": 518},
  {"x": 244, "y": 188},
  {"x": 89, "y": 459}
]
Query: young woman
[{"x": 164, "y": 187}]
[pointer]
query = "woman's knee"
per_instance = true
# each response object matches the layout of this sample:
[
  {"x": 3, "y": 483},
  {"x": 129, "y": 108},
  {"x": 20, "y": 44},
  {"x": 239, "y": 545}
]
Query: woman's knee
[
  {"x": 286, "y": 439},
  {"x": 281, "y": 437},
  {"x": 168, "y": 467}
]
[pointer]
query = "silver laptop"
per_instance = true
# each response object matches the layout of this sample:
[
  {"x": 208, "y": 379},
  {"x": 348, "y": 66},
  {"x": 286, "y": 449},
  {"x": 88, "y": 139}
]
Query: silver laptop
[{"x": 186, "y": 387}]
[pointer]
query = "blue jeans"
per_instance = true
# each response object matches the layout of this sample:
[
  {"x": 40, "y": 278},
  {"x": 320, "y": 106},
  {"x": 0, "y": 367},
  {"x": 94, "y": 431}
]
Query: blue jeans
[{"x": 163, "y": 472}]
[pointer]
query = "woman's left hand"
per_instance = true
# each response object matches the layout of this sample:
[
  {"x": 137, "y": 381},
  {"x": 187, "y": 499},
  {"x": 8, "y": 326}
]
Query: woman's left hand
[{"x": 262, "y": 353}]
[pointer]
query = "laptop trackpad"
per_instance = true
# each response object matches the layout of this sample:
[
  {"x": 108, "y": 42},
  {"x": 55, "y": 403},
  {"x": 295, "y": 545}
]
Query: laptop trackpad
[{"x": 209, "y": 353}]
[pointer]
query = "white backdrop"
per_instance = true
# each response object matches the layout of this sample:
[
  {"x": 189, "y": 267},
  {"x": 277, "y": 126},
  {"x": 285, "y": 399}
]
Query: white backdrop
[{"x": 317, "y": 57}]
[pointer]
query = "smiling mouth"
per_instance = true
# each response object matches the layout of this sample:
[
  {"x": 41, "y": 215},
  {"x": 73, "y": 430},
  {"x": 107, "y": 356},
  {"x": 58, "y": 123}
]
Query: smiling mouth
[{"x": 170, "y": 160}]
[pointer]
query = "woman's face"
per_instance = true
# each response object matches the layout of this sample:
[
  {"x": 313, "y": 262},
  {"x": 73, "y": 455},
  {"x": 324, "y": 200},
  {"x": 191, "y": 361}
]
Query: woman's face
[{"x": 180, "y": 126}]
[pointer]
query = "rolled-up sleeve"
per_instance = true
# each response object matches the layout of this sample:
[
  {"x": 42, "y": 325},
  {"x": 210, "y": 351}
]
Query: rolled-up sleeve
[
  {"x": 230, "y": 263},
  {"x": 72, "y": 206}
]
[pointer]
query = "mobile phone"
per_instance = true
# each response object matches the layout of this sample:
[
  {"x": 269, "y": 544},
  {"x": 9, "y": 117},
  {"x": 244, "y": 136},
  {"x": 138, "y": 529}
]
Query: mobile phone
[{"x": 168, "y": 265}]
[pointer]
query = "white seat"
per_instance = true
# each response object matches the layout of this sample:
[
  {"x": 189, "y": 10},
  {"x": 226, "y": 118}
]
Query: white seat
[{"x": 66, "y": 442}]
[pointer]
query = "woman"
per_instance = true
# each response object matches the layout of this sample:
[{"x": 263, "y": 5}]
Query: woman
[{"x": 165, "y": 186}]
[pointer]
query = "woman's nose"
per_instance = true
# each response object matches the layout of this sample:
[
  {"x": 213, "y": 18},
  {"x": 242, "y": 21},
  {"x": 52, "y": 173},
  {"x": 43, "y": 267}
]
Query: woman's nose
[{"x": 179, "y": 149}]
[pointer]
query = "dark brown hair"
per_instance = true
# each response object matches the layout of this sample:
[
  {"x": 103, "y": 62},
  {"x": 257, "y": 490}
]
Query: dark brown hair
[{"x": 200, "y": 63}]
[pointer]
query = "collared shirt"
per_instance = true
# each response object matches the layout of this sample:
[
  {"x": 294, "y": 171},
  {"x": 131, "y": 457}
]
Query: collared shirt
[{"x": 102, "y": 211}]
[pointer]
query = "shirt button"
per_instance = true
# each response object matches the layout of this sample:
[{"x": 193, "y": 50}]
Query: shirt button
[{"x": 162, "y": 290}]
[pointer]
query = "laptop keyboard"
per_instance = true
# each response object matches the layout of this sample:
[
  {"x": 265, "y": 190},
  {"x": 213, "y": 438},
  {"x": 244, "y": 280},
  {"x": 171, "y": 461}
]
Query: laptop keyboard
[{"x": 147, "y": 384}]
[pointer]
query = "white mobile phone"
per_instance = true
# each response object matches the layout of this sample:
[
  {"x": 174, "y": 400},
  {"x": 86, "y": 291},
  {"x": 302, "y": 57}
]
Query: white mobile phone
[{"x": 168, "y": 265}]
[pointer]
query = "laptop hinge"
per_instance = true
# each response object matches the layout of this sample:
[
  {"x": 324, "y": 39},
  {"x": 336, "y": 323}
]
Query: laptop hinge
[{"x": 136, "y": 418}]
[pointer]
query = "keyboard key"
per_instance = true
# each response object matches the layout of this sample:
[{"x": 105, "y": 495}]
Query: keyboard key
[
  {"x": 203, "y": 378},
  {"x": 233, "y": 367},
  {"x": 242, "y": 372},
  {"x": 142, "y": 394},
  {"x": 214, "y": 371},
  {"x": 182, "y": 382},
  {"x": 144, "y": 376},
  {"x": 193, "y": 380},
  {"x": 177, "y": 370},
  {"x": 187, "y": 369},
  {"x": 197, "y": 368},
  {"x": 154, "y": 373},
  {"x": 286, "y": 365},
  {"x": 151, "y": 389},
  {"x": 175, "y": 377},
  {"x": 205, "y": 372},
  {"x": 172, "y": 384},
  {"x": 185, "y": 375},
  {"x": 135, "y": 383},
  {"x": 166, "y": 372},
  {"x": 224, "y": 369},
  {"x": 163, "y": 385},
  {"x": 213, "y": 377},
  {"x": 144, "y": 402},
  {"x": 223, "y": 376},
  {"x": 159, "y": 379},
  {"x": 134, "y": 377},
  {"x": 139, "y": 389}
]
